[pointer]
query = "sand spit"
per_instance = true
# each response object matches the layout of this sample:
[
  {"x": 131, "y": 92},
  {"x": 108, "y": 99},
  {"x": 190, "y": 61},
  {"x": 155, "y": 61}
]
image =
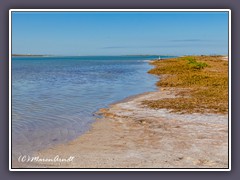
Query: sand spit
[
  {"x": 130, "y": 135},
  {"x": 225, "y": 58}
]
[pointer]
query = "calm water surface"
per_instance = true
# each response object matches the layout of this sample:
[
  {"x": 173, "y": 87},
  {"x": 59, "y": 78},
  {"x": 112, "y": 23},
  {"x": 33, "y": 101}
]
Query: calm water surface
[{"x": 54, "y": 98}]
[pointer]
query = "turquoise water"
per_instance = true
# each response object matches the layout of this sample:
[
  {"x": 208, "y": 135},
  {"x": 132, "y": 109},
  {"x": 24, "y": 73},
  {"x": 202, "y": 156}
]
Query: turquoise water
[{"x": 54, "y": 98}]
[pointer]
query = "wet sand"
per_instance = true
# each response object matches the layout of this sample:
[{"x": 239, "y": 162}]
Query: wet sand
[{"x": 131, "y": 135}]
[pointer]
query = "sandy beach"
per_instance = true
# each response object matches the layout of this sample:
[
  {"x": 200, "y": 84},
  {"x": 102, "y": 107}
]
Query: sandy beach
[{"x": 132, "y": 135}]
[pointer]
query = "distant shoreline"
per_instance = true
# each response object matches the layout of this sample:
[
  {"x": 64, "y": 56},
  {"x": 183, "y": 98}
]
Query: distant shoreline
[
  {"x": 28, "y": 55},
  {"x": 127, "y": 55},
  {"x": 147, "y": 55}
]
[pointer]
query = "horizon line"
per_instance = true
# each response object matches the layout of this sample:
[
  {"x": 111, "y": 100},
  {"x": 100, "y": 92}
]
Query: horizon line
[{"x": 193, "y": 54}]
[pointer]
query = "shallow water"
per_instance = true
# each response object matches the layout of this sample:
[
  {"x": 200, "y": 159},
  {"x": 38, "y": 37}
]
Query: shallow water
[{"x": 54, "y": 98}]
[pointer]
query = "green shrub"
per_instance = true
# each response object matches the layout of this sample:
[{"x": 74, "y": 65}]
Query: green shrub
[{"x": 193, "y": 64}]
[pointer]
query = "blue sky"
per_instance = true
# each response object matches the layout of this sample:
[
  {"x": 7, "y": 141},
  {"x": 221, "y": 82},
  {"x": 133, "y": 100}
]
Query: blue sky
[{"x": 119, "y": 33}]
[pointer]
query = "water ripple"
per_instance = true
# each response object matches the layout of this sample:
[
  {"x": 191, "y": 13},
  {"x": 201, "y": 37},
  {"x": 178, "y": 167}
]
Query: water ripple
[{"x": 53, "y": 100}]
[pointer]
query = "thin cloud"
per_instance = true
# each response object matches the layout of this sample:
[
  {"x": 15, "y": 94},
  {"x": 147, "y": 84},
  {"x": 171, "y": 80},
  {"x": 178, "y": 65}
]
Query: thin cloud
[
  {"x": 144, "y": 46},
  {"x": 187, "y": 40},
  {"x": 115, "y": 47}
]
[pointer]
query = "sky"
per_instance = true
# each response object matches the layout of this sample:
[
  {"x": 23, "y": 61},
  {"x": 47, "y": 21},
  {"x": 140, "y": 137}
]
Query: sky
[{"x": 120, "y": 33}]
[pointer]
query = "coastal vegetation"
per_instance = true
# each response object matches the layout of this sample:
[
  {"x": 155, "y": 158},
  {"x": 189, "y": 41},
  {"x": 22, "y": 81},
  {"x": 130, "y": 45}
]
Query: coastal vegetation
[{"x": 201, "y": 83}]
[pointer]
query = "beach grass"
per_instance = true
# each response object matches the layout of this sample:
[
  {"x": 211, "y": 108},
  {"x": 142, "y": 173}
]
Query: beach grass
[{"x": 202, "y": 80}]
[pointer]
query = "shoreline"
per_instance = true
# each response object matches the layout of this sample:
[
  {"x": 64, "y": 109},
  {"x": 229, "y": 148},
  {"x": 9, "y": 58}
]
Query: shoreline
[{"x": 132, "y": 135}]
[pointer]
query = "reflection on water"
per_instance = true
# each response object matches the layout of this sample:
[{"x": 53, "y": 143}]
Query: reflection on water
[{"x": 54, "y": 98}]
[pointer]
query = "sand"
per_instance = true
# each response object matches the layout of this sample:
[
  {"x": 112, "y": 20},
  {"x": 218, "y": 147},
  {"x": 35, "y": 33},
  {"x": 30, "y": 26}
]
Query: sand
[
  {"x": 225, "y": 58},
  {"x": 131, "y": 135}
]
